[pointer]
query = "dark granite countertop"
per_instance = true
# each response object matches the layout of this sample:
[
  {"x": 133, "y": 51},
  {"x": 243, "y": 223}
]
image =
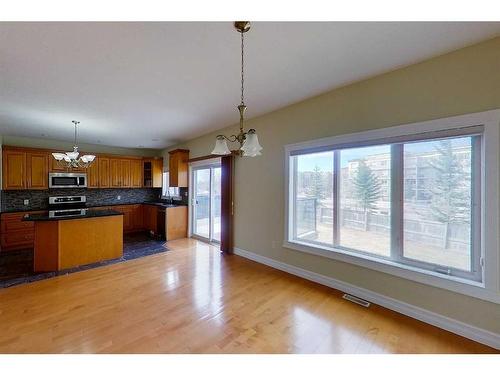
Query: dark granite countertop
[
  {"x": 165, "y": 205},
  {"x": 90, "y": 213},
  {"x": 159, "y": 204}
]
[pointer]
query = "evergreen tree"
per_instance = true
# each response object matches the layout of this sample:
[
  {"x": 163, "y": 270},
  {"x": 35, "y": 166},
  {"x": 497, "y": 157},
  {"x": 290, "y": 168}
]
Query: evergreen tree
[
  {"x": 317, "y": 188},
  {"x": 450, "y": 201},
  {"x": 366, "y": 187}
]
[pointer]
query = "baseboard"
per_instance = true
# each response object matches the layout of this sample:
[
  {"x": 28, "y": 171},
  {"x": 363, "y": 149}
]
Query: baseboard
[{"x": 471, "y": 332}]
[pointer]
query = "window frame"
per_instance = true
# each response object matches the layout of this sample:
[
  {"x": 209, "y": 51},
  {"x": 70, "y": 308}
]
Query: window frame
[
  {"x": 484, "y": 283},
  {"x": 165, "y": 189}
]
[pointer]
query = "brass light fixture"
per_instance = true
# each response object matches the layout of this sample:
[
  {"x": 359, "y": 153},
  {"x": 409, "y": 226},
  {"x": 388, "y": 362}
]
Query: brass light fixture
[
  {"x": 249, "y": 142},
  {"x": 70, "y": 159}
]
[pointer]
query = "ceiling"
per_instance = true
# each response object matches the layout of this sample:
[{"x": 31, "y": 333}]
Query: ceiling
[{"x": 151, "y": 85}]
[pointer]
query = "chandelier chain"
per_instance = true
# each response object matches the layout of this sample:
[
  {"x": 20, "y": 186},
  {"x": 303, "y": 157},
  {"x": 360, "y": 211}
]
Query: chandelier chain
[{"x": 242, "y": 70}]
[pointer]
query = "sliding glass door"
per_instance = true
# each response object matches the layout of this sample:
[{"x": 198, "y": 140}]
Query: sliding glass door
[{"x": 205, "y": 212}]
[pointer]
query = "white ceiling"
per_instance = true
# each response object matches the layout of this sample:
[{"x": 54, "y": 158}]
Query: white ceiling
[{"x": 155, "y": 84}]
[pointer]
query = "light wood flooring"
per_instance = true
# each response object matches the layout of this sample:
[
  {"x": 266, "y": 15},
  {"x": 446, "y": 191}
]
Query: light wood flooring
[{"x": 192, "y": 299}]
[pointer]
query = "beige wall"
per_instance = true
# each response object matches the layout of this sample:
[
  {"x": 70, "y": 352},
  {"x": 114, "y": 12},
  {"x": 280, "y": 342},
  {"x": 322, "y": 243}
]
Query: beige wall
[
  {"x": 464, "y": 81},
  {"x": 67, "y": 146}
]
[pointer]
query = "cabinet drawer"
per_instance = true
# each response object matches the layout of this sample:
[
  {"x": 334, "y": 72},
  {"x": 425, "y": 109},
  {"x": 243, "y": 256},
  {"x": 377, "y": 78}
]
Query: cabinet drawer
[
  {"x": 18, "y": 239},
  {"x": 10, "y": 224},
  {"x": 13, "y": 221}
]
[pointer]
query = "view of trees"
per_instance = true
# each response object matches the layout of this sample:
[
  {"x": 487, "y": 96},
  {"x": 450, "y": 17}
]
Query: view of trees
[
  {"x": 367, "y": 189},
  {"x": 451, "y": 195},
  {"x": 317, "y": 188}
]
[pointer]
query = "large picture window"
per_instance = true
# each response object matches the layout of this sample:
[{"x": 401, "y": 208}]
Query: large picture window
[{"x": 412, "y": 200}]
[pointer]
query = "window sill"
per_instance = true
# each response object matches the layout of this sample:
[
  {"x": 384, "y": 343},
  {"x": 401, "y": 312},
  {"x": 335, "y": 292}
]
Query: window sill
[{"x": 455, "y": 284}]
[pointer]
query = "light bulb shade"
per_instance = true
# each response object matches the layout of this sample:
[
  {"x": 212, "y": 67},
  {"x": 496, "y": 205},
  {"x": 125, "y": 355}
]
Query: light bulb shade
[
  {"x": 88, "y": 158},
  {"x": 58, "y": 156},
  {"x": 251, "y": 146},
  {"x": 252, "y": 154},
  {"x": 66, "y": 158},
  {"x": 72, "y": 155},
  {"x": 221, "y": 147}
]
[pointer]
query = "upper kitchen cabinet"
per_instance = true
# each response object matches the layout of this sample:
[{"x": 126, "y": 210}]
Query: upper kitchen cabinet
[
  {"x": 93, "y": 175},
  {"x": 178, "y": 168},
  {"x": 29, "y": 168},
  {"x": 14, "y": 169},
  {"x": 135, "y": 173},
  {"x": 104, "y": 172},
  {"x": 37, "y": 170},
  {"x": 25, "y": 169},
  {"x": 152, "y": 172},
  {"x": 115, "y": 174},
  {"x": 125, "y": 173}
]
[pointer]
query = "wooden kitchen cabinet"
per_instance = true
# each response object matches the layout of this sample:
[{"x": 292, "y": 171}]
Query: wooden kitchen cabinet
[
  {"x": 136, "y": 173},
  {"x": 115, "y": 172},
  {"x": 125, "y": 173},
  {"x": 15, "y": 233},
  {"x": 104, "y": 172},
  {"x": 176, "y": 222},
  {"x": 54, "y": 166},
  {"x": 93, "y": 175},
  {"x": 121, "y": 173},
  {"x": 29, "y": 168},
  {"x": 137, "y": 217},
  {"x": 14, "y": 169},
  {"x": 178, "y": 168},
  {"x": 37, "y": 170},
  {"x": 25, "y": 169},
  {"x": 153, "y": 172}
]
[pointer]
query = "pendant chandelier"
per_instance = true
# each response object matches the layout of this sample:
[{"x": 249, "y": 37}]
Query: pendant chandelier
[
  {"x": 249, "y": 142},
  {"x": 70, "y": 159}
]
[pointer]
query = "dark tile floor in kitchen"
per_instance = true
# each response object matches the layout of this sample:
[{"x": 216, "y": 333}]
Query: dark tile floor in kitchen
[{"x": 16, "y": 267}]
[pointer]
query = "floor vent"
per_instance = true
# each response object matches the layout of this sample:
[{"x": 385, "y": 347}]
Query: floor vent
[{"x": 357, "y": 300}]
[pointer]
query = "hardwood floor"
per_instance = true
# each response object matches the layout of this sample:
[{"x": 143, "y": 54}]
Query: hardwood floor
[{"x": 194, "y": 300}]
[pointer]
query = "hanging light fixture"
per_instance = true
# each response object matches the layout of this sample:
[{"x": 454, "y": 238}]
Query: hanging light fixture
[
  {"x": 70, "y": 159},
  {"x": 249, "y": 142}
]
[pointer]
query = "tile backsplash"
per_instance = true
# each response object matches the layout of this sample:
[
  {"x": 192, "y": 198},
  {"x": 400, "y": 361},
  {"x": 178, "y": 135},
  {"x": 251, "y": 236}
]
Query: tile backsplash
[{"x": 13, "y": 200}]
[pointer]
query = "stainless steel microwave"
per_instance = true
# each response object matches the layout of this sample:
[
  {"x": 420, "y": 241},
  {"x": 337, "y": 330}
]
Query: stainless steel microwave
[{"x": 67, "y": 180}]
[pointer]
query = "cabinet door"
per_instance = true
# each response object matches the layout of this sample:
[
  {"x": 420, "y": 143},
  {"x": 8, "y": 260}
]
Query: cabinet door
[
  {"x": 176, "y": 222},
  {"x": 173, "y": 161},
  {"x": 125, "y": 173},
  {"x": 157, "y": 171},
  {"x": 178, "y": 168},
  {"x": 115, "y": 172},
  {"x": 137, "y": 217},
  {"x": 55, "y": 166},
  {"x": 135, "y": 173},
  {"x": 37, "y": 170},
  {"x": 127, "y": 220},
  {"x": 104, "y": 172},
  {"x": 93, "y": 174},
  {"x": 14, "y": 170}
]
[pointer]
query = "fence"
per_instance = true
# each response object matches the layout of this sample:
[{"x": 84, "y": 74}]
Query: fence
[{"x": 310, "y": 213}]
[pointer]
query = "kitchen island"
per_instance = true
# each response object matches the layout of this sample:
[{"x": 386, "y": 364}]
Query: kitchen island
[{"x": 67, "y": 242}]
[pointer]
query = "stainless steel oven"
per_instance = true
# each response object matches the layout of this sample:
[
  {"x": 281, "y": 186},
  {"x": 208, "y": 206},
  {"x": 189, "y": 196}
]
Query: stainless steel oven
[
  {"x": 67, "y": 180},
  {"x": 62, "y": 206}
]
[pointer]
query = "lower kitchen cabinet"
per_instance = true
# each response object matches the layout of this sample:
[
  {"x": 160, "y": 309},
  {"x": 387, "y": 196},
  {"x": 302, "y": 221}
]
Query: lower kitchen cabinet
[
  {"x": 171, "y": 223},
  {"x": 15, "y": 233},
  {"x": 176, "y": 222}
]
